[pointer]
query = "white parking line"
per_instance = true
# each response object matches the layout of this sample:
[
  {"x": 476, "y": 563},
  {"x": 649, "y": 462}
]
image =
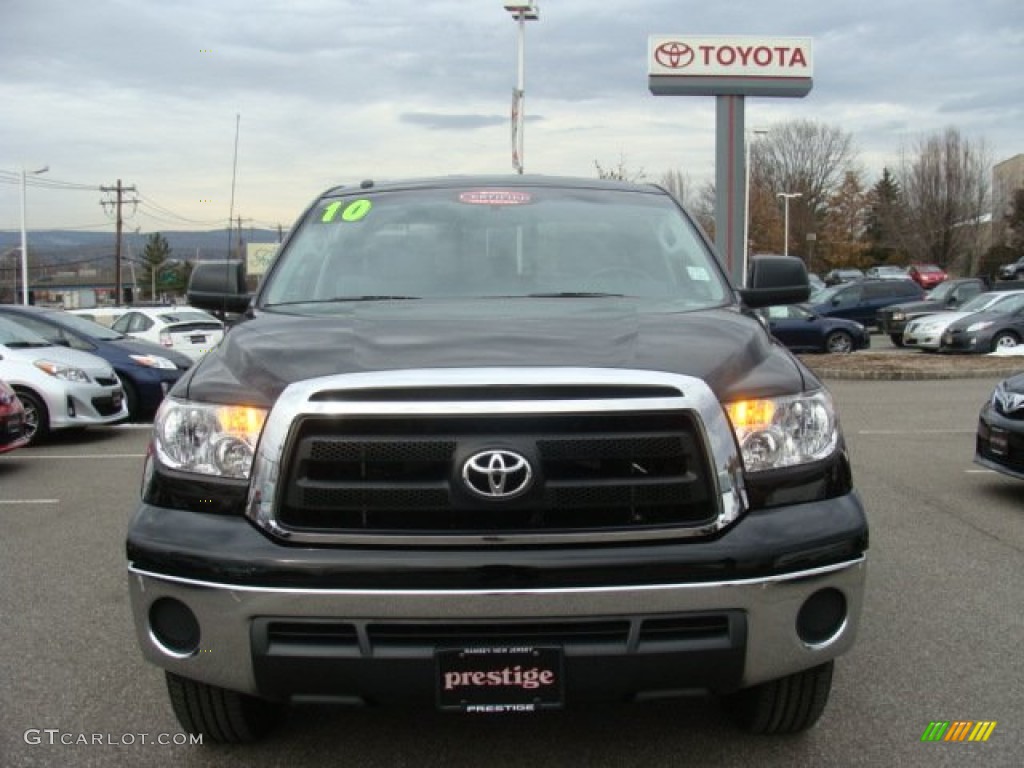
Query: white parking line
[
  {"x": 916, "y": 431},
  {"x": 29, "y": 501},
  {"x": 65, "y": 457}
]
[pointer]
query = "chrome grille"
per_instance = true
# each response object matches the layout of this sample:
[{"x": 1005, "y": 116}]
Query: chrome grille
[
  {"x": 380, "y": 459},
  {"x": 595, "y": 471}
]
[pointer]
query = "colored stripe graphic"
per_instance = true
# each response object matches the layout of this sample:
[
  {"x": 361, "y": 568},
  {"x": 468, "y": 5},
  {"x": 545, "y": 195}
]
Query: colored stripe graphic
[
  {"x": 958, "y": 730},
  {"x": 983, "y": 730}
]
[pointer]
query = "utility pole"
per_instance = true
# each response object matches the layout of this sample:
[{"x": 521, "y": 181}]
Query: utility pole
[
  {"x": 119, "y": 200},
  {"x": 238, "y": 251}
]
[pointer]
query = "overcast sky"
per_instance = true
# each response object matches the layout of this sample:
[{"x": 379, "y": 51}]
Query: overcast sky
[{"x": 335, "y": 91}]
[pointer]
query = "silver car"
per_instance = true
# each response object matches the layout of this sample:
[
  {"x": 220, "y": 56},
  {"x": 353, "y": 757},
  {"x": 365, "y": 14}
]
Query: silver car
[
  {"x": 60, "y": 388},
  {"x": 926, "y": 332}
]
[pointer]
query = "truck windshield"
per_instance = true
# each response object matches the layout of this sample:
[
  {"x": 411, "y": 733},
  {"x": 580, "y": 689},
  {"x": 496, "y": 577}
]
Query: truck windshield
[{"x": 515, "y": 241}]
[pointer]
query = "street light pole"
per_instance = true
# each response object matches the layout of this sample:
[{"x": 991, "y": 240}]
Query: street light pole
[
  {"x": 24, "y": 233},
  {"x": 787, "y": 196},
  {"x": 521, "y": 12}
]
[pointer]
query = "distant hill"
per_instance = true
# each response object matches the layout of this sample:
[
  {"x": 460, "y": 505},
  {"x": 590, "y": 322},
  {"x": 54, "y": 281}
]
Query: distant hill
[{"x": 66, "y": 246}]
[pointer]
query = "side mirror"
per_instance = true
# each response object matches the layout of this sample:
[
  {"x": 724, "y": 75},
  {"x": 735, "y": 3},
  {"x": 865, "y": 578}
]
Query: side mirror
[
  {"x": 775, "y": 279},
  {"x": 218, "y": 286}
]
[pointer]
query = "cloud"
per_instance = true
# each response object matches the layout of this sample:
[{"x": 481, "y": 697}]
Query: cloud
[{"x": 447, "y": 122}]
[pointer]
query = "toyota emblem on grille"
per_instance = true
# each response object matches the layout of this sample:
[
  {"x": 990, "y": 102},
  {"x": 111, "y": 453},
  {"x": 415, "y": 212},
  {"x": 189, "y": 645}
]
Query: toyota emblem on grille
[{"x": 496, "y": 474}]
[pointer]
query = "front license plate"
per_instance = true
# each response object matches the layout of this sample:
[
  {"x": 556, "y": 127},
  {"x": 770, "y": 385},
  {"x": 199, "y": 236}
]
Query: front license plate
[
  {"x": 999, "y": 441},
  {"x": 499, "y": 679}
]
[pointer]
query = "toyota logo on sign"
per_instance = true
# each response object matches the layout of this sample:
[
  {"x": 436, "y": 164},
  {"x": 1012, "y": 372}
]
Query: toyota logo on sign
[
  {"x": 497, "y": 474},
  {"x": 674, "y": 55}
]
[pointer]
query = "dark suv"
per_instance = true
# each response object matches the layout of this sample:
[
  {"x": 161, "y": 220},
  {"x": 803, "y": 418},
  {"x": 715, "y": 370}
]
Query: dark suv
[
  {"x": 490, "y": 445},
  {"x": 1014, "y": 271},
  {"x": 861, "y": 300}
]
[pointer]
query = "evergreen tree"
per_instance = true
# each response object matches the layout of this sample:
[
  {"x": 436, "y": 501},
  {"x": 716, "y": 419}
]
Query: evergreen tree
[{"x": 883, "y": 221}]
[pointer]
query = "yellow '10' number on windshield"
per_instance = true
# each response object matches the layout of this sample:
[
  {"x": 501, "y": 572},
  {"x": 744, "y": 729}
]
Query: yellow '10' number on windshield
[{"x": 354, "y": 211}]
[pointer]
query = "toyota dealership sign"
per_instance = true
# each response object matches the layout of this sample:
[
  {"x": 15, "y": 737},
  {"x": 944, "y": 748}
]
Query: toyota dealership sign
[{"x": 756, "y": 66}]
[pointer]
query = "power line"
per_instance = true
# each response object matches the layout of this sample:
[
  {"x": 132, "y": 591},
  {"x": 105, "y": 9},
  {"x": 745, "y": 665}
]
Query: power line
[{"x": 9, "y": 177}]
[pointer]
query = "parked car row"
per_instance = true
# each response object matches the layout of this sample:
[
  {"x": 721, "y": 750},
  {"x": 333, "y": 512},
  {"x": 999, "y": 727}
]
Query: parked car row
[
  {"x": 989, "y": 321},
  {"x": 947, "y": 296},
  {"x": 59, "y": 388},
  {"x": 861, "y": 300},
  {"x": 70, "y": 372},
  {"x": 925, "y": 275}
]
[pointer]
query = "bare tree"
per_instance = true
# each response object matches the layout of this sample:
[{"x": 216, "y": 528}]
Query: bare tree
[
  {"x": 620, "y": 172},
  {"x": 946, "y": 190},
  {"x": 806, "y": 157},
  {"x": 679, "y": 185},
  {"x": 703, "y": 208}
]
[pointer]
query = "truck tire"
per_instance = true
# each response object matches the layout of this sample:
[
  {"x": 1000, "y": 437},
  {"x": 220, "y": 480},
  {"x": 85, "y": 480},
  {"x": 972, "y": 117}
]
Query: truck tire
[
  {"x": 897, "y": 339},
  {"x": 788, "y": 705},
  {"x": 220, "y": 715}
]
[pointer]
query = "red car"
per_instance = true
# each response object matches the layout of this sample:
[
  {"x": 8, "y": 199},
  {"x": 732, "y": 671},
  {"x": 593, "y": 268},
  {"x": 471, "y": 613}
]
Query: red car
[
  {"x": 927, "y": 275},
  {"x": 12, "y": 420}
]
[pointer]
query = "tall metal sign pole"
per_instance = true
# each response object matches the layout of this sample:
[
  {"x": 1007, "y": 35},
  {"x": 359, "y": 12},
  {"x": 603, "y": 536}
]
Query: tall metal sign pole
[
  {"x": 730, "y": 69},
  {"x": 522, "y": 13}
]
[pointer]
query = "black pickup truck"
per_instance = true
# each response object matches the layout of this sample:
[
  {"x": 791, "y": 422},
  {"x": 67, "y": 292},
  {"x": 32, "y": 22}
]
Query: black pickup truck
[{"x": 496, "y": 444}]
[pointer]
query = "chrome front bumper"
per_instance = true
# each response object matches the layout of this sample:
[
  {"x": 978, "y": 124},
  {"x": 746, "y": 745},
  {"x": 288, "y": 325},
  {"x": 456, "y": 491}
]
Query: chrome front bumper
[{"x": 225, "y": 614}]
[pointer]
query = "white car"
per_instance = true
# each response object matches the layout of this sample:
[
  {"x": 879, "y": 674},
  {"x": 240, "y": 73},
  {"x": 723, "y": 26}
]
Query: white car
[
  {"x": 926, "y": 332},
  {"x": 102, "y": 315},
  {"x": 60, "y": 388},
  {"x": 190, "y": 331}
]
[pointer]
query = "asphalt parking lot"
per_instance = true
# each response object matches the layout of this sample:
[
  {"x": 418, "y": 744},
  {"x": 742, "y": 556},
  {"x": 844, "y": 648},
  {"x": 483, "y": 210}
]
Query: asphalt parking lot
[{"x": 940, "y": 639}]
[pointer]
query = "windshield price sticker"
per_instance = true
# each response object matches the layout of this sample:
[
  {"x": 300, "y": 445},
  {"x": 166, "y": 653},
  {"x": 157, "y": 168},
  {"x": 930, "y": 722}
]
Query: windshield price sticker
[
  {"x": 354, "y": 211},
  {"x": 501, "y": 679},
  {"x": 495, "y": 197}
]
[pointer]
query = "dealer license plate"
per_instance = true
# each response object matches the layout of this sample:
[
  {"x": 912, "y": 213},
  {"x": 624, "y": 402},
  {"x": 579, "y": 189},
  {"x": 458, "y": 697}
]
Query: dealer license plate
[
  {"x": 500, "y": 679},
  {"x": 999, "y": 441}
]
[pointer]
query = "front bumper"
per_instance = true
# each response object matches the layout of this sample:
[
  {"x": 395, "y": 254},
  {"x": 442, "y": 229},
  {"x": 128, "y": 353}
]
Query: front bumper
[
  {"x": 1005, "y": 454},
  {"x": 960, "y": 341},
  {"x": 303, "y": 623}
]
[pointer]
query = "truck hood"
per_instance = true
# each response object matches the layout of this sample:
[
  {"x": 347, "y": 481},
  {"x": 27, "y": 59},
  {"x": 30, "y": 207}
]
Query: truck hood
[{"x": 259, "y": 357}]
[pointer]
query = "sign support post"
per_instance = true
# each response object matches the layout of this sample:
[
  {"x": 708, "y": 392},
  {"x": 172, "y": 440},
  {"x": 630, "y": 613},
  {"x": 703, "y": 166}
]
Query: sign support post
[{"x": 729, "y": 68}]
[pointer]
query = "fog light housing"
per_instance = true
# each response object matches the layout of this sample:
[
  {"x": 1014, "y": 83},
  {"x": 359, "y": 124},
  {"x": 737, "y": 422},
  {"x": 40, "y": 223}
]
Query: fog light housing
[
  {"x": 174, "y": 627},
  {"x": 822, "y": 617}
]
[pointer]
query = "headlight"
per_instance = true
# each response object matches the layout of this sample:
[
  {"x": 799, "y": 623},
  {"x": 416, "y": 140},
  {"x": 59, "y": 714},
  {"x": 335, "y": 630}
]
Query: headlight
[
  {"x": 898, "y": 316},
  {"x": 153, "y": 361},
  {"x": 784, "y": 431},
  {"x": 217, "y": 440},
  {"x": 60, "y": 371},
  {"x": 974, "y": 327}
]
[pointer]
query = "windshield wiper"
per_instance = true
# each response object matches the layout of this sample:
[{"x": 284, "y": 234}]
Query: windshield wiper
[
  {"x": 27, "y": 344},
  {"x": 573, "y": 295},
  {"x": 382, "y": 297}
]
